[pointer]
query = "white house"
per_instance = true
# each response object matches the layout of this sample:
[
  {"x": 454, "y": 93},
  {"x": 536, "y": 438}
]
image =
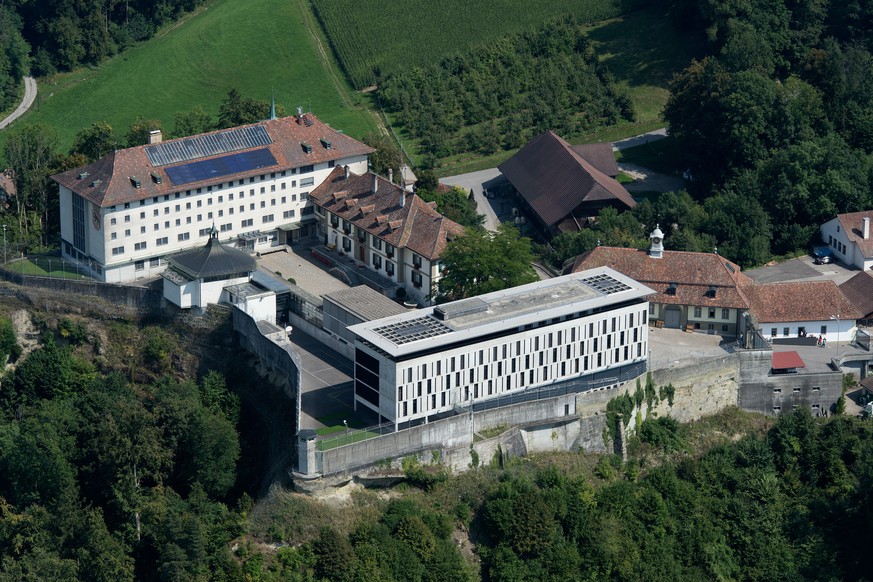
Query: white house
[
  {"x": 123, "y": 215},
  {"x": 802, "y": 308},
  {"x": 579, "y": 332},
  {"x": 385, "y": 228},
  {"x": 850, "y": 238}
]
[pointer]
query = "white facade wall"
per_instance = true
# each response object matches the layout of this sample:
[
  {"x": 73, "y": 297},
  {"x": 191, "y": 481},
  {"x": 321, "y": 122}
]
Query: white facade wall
[
  {"x": 437, "y": 382},
  {"x": 827, "y": 328},
  {"x": 130, "y": 241},
  {"x": 833, "y": 234},
  {"x": 415, "y": 273}
]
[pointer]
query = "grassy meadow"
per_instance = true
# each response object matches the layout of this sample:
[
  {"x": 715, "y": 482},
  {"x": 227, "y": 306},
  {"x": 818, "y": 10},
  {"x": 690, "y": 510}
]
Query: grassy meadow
[{"x": 256, "y": 46}]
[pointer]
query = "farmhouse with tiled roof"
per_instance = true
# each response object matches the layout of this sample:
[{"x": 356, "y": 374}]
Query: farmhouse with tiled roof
[
  {"x": 560, "y": 186},
  {"x": 124, "y": 214},
  {"x": 391, "y": 231}
]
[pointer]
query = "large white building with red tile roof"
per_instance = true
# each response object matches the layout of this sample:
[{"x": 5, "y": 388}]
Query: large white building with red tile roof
[
  {"x": 850, "y": 236},
  {"x": 124, "y": 214},
  {"x": 382, "y": 226}
]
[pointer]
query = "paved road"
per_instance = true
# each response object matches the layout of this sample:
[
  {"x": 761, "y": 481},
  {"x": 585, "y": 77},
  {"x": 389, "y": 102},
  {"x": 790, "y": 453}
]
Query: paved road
[
  {"x": 801, "y": 269},
  {"x": 477, "y": 182},
  {"x": 636, "y": 140},
  {"x": 29, "y": 97}
]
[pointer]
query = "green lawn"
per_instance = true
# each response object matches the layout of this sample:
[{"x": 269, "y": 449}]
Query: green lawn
[
  {"x": 257, "y": 46},
  {"x": 45, "y": 267},
  {"x": 643, "y": 51}
]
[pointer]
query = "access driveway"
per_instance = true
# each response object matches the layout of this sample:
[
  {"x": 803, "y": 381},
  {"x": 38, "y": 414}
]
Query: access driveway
[{"x": 801, "y": 269}]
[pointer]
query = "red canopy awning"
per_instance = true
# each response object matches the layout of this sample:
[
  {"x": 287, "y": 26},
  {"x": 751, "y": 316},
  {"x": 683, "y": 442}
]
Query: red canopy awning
[{"x": 787, "y": 361}]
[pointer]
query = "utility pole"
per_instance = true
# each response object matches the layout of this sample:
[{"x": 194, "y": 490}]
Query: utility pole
[{"x": 4, "y": 247}]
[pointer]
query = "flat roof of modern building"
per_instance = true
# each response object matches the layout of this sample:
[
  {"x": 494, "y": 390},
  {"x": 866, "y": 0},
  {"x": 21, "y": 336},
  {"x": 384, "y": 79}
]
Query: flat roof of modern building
[
  {"x": 364, "y": 303},
  {"x": 467, "y": 319},
  {"x": 248, "y": 290}
]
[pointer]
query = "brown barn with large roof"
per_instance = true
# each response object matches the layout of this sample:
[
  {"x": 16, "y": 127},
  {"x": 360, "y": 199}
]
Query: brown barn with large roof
[
  {"x": 859, "y": 290},
  {"x": 563, "y": 185}
]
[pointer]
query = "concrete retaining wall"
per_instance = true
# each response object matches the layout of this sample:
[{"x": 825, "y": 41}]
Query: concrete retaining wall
[
  {"x": 701, "y": 389},
  {"x": 141, "y": 298},
  {"x": 277, "y": 359}
]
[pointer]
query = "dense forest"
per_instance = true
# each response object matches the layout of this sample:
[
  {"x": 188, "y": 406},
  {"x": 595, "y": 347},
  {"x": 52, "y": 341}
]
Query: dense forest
[
  {"x": 779, "y": 116},
  {"x": 115, "y": 465},
  {"x": 500, "y": 95}
]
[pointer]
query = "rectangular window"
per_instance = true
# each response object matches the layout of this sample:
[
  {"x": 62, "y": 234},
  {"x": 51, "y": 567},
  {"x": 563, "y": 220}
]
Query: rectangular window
[
  {"x": 697, "y": 311},
  {"x": 247, "y": 222},
  {"x": 139, "y": 265},
  {"x": 725, "y": 313},
  {"x": 307, "y": 182},
  {"x": 288, "y": 214},
  {"x": 184, "y": 236},
  {"x": 267, "y": 218},
  {"x": 118, "y": 251},
  {"x": 140, "y": 246},
  {"x": 785, "y": 331},
  {"x": 162, "y": 241},
  {"x": 712, "y": 313},
  {"x": 389, "y": 268},
  {"x": 377, "y": 261}
]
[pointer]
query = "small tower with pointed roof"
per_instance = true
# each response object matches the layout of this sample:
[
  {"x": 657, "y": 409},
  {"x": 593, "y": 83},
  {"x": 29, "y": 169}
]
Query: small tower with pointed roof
[{"x": 656, "y": 251}]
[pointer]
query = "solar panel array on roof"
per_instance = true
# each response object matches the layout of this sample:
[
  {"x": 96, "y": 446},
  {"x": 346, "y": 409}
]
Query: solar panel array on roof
[
  {"x": 223, "y": 166},
  {"x": 605, "y": 284},
  {"x": 412, "y": 330},
  {"x": 201, "y": 146}
]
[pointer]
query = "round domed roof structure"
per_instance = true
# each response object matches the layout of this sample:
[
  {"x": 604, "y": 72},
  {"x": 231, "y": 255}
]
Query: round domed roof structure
[{"x": 213, "y": 261}]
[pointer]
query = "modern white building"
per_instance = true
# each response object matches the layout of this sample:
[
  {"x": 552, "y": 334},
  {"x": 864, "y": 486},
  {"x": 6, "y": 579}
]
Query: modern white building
[
  {"x": 849, "y": 236},
  {"x": 579, "y": 332},
  {"x": 385, "y": 229},
  {"x": 124, "y": 214}
]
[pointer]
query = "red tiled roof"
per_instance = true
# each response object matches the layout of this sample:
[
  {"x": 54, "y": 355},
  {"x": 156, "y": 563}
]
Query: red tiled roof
[
  {"x": 414, "y": 225},
  {"x": 859, "y": 290},
  {"x": 695, "y": 273},
  {"x": 555, "y": 180},
  {"x": 852, "y": 224},
  {"x": 787, "y": 361},
  {"x": 115, "y": 170},
  {"x": 799, "y": 301}
]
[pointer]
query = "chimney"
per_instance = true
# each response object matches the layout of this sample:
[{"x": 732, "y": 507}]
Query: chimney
[
  {"x": 402, "y": 198},
  {"x": 155, "y": 136},
  {"x": 345, "y": 172},
  {"x": 375, "y": 183},
  {"x": 865, "y": 228},
  {"x": 391, "y": 175}
]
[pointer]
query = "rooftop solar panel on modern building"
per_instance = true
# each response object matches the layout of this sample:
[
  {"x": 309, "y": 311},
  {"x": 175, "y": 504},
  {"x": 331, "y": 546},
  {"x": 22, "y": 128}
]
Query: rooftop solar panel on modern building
[
  {"x": 223, "y": 166},
  {"x": 605, "y": 284},
  {"x": 201, "y": 146},
  {"x": 412, "y": 330}
]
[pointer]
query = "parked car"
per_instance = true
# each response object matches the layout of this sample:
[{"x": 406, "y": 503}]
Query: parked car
[{"x": 822, "y": 255}]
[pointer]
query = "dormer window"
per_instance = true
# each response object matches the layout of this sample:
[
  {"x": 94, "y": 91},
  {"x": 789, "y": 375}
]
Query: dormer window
[
  {"x": 711, "y": 292},
  {"x": 671, "y": 289},
  {"x": 306, "y": 147}
]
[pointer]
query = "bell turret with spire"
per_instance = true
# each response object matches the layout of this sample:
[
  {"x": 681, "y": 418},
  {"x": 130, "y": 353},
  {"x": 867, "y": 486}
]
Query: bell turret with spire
[{"x": 656, "y": 251}]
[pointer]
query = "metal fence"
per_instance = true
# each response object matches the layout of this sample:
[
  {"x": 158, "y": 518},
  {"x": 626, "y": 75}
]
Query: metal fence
[{"x": 53, "y": 267}]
